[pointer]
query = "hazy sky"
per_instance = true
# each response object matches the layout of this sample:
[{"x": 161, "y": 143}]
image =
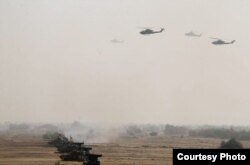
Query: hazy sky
[{"x": 57, "y": 61}]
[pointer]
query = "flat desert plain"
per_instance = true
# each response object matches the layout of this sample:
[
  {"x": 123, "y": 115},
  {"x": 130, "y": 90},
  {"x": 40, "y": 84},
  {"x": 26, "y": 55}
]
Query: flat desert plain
[{"x": 33, "y": 150}]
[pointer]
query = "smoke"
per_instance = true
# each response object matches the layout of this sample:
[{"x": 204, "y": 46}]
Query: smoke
[
  {"x": 91, "y": 133},
  {"x": 79, "y": 132}
]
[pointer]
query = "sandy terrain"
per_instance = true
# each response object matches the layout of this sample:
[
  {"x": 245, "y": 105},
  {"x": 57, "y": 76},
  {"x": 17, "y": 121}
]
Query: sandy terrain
[{"x": 32, "y": 150}]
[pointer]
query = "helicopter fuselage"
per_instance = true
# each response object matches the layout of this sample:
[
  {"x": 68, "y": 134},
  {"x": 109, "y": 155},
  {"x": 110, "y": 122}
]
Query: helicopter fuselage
[
  {"x": 149, "y": 31},
  {"x": 221, "y": 42},
  {"x": 191, "y": 34}
]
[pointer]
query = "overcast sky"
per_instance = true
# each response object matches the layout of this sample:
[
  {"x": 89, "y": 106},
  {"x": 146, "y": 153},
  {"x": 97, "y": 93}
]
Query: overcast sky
[{"x": 57, "y": 61}]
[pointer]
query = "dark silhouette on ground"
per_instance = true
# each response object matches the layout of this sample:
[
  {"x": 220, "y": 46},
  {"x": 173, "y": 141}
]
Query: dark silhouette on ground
[
  {"x": 72, "y": 151},
  {"x": 231, "y": 144}
]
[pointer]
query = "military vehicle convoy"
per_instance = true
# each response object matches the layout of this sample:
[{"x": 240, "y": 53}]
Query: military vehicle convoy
[
  {"x": 73, "y": 151},
  {"x": 92, "y": 159}
]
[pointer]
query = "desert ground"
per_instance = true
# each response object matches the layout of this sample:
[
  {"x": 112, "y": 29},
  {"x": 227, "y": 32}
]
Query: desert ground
[{"x": 33, "y": 150}]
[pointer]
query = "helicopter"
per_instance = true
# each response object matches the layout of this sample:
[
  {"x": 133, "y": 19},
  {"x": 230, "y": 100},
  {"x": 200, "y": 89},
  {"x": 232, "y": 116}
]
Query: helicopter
[
  {"x": 148, "y": 31},
  {"x": 116, "y": 41},
  {"x": 221, "y": 42},
  {"x": 192, "y": 34}
]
